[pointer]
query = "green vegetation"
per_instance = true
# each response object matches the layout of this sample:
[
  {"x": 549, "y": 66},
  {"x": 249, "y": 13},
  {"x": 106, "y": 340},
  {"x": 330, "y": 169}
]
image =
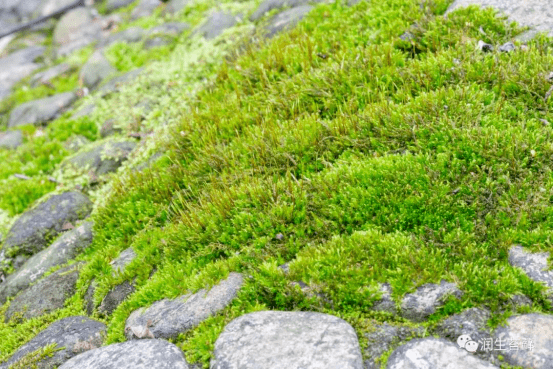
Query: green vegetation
[{"x": 377, "y": 160}]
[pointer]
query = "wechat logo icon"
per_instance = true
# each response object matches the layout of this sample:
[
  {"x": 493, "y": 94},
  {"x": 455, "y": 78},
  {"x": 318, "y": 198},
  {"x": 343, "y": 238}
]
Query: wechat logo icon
[{"x": 464, "y": 341}]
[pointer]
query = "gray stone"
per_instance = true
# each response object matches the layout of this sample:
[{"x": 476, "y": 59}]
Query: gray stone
[
  {"x": 482, "y": 46},
  {"x": 171, "y": 28},
  {"x": 156, "y": 42},
  {"x": 125, "y": 258},
  {"x": 520, "y": 300},
  {"x": 16, "y": 66},
  {"x": 96, "y": 69},
  {"x": 143, "y": 354},
  {"x": 51, "y": 6},
  {"x": 114, "y": 84},
  {"x": 41, "y": 111},
  {"x": 112, "y": 5},
  {"x": 84, "y": 111},
  {"x": 89, "y": 297},
  {"x": 71, "y": 335},
  {"x": 216, "y": 24},
  {"x": 115, "y": 297},
  {"x": 269, "y": 5},
  {"x": 49, "y": 74},
  {"x": 294, "y": 340},
  {"x": 428, "y": 353},
  {"x": 286, "y": 20},
  {"x": 144, "y": 8},
  {"x": 383, "y": 338},
  {"x": 76, "y": 29},
  {"x": 60, "y": 252},
  {"x": 385, "y": 304},
  {"x": 11, "y": 140},
  {"x": 423, "y": 302},
  {"x": 104, "y": 158},
  {"x": 535, "y": 266},
  {"x": 46, "y": 295},
  {"x": 534, "y": 329},
  {"x": 175, "y": 6},
  {"x": 169, "y": 318},
  {"x": 537, "y": 14},
  {"x": 108, "y": 129},
  {"x": 132, "y": 34},
  {"x": 75, "y": 143},
  {"x": 36, "y": 228},
  {"x": 507, "y": 47}
]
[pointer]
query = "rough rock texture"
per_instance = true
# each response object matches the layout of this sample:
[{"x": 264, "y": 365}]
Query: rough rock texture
[
  {"x": 286, "y": 19},
  {"x": 269, "y": 5},
  {"x": 112, "y": 5},
  {"x": 144, "y": 354},
  {"x": 537, "y": 14},
  {"x": 46, "y": 295},
  {"x": 216, "y": 24},
  {"x": 105, "y": 158},
  {"x": 35, "y": 228},
  {"x": 386, "y": 303},
  {"x": 434, "y": 353},
  {"x": 11, "y": 139},
  {"x": 16, "y": 66},
  {"x": 171, "y": 28},
  {"x": 526, "y": 330},
  {"x": 144, "y": 8},
  {"x": 383, "y": 338},
  {"x": 76, "y": 29},
  {"x": 534, "y": 265},
  {"x": 49, "y": 74},
  {"x": 96, "y": 69},
  {"x": 72, "y": 335},
  {"x": 124, "y": 259},
  {"x": 174, "y": 6},
  {"x": 423, "y": 302},
  {"x": 41, "y": 111},
  {"x": 113, "y": 84},
  {"x": 156, "y": 42},
  {"x": 61, "y": 251},
  {"x": 50, "y": 6},
  {"x": 293, "y": 340},
  {"x": 115, "y": 297},
  {"x": 169, "y": 318},
  {"x": 132, "y": 34}
]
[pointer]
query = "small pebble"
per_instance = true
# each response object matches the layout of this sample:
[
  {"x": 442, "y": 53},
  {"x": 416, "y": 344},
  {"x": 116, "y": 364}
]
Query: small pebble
[{"x": 507, "y": 47}]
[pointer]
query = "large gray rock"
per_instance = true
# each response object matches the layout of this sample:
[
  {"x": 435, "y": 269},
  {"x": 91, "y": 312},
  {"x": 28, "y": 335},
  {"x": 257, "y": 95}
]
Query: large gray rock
[
  {"x": 115, "y": 297},
  {"x": 61, "y": 251},
  {"x": 385, "y": 304},
  {"x": 51, "y": 6},
  {"x": 144, "y": 354},
  {"x": 537, "y": 14},
  {"x": 41, "y": 111},
  {"x": 286, "y": 20},
  {"x": 171, "y": 29},
  {"x": 216, "y": 24},
  {"x": 269, "y": 5},
  {"x": 132, "y": 34},
  {"x": 23, "y": 10},
  {"x": 105, "y": 158},
  {"x": 169, "y": 318},
  {"x": 383, "y": 338},
  {"x": 49, "y": 74},
  {"x": 429, "y": 353},
  {"x": 46, "y": 295},
  {"x": 11, "y": 140},
  {"x": 145, "y": 8},
  {"x": 112, "y": 5},
  {"x": 125, "y": 258},
  {"x": 36, "y": 228},
  {"x": 535, "y": 266},
  {"x": 71, "y": 335},
  {"x": 96, "y": 69},
  {"x": 423, "y": 302},
  {"x": 533, "y": 336},
  {"x": 16, "y": 66},
  {"x": 76, "y": 29},
  {"x": 293, "y": 340}
]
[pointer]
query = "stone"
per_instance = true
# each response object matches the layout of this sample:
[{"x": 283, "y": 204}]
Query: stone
[
  {"x": 112, "y": 5},
  {"x": 108, "y": 129},
  {"x": 534, "y": 329},
  {"x": 171, "y": 28},
  {"x": 115, "y": 297},
  {"x": 143, "y": 354},
  {"x": 216, "y": 24},
  {"x": 286, "y": 19},
  {"x": 156, "y": 42},
  {"x": 175, "y": 6},
  {"x": 89, "y": 297},
  {"x": 426, "y": 353},
  {"x": 482, "y": 46},
  {"x": 385, "y": 304},
  {"x": 114, "y": 84},
  {"x": 65, "y": 248},
  {"x": 41, "y": 111},
  {"x": 282, "y": 339},
  {"x": 71, "y": 335},
  {"x": 269, "y": 5},
  {"x": 11, "y": 140},
  {"x": 16, "y": 66},
  {"x": 423, "y": 302},
  {"x": 169, "y": 318},
  {"x": 132, "y": 34},
  {"x": 507, "y": 47},
  {"x": 86, "y": 110},
  {"x": 145, "y": 8},
  {"x": 51, "y": 6},
  {"x": 75, "y": 143},
  {"x": 49, "y": 74},
  {"x": 104, "y": 158},
  {"x": 46, "y": 295},
  {"x": 76, "y": 29},
  {"x": 37, "y": 227},
  {"x": 96, "y": 69},
  {"x": 125, "y": 258},
  {"x": 536, "y": 14},
  {"x": 534, "y": 265}
]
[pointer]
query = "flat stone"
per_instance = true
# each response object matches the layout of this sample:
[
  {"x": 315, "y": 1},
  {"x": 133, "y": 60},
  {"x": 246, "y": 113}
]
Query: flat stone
[
  {"x": 269, "y": 5},
  {"x": 428, "y": 353},
  {"x": 36, "y": 228},
  {"x": 60, "y": 252},
  {"x": 104, "y": 158},
  {"x": 534, "y": 265},
  {"x": 114, "y": 84},
  {"x": 216, "y": 24},
  {"x": 533, "y": 336},
  {"x": 132, "y": 34},
  {"x": 51, "y": 6},
  {"x": 125, "y": 258},
  {"x": 143, "y": 354},
  {"x": 49, "y": 74},
  {"x": 423, "y": 302},
  {"x": 72, "y": 336},
  {"x": 385, "y": 304},
  {"x": 144, "y": 8},
  {"x": 112, "y": 5},
  {"x": 171, "y": 28},
  {"x": 11, "y": 140},
  {"x": 115, "y": 297},
  {"x": 537, "y": 14},
  {"x": 46, "y": 295},
  {"x": 294, "y": 340},
  {"x": 41, "y": 111},
  {"x": 96, "y": 69},
  {"x": 76, "y": 29},
  {"x": 156, "y": 42},
  {"x": 169, "y": 318},
  {"x": 286, "y": 20},
  {"x": 14, "y": 67}
]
